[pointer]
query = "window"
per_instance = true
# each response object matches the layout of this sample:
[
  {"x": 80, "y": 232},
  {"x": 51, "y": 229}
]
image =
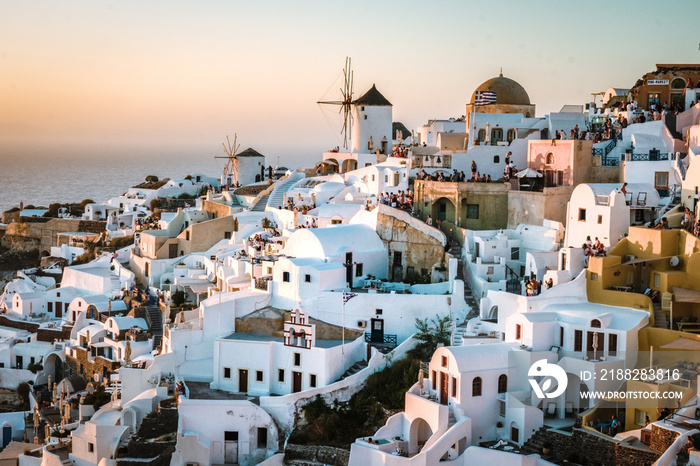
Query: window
[
  {"x": 230, "y": 436},
  {"x": 578, "y": 340},
  {"x": 336, "y": 221},
  {"x": 678, "y": 83},
  {"x": 581, "y": 215},
  {"x": 358, "y": 270},
  {"x": 227, "y": 372},
  {"x": 638, "y": 215},
  {"x": 502, "y": 383},
  {"x": 262, "y": 437},
  {"x": 285, "y": 276},
  {"x": 312, "y": 380},
  {"x": 379, "y": 312},
  {"x": 91, "y": 447},
  {"x": 657, "y": 280},
  {"x": 280, "y": 375},
  {"x": 258, "y": 376},
  {"x": 594, "y": 276},
  {"x": 515, "y": 254},
  {"x": 307, "y": 278},
  {"x": 297, "y": 359},
  {"x": 372, "y": 177},
  {"x": 489, "y": 271},
  {"x": 454, "y": 387},
  {"x": 561, "y": 336},
  {"x": 472, "y": 210},
  {"x": 612, "y": 344},
  {"x": 518, "y": 331},
  {"x": 365, "y": 116},
  {"x": 397, "y": 258},
  {"x": 187, "y": 235},
  {"x": 476, "y": 386},
  {"x": 433, "y": 379},
  {"x": 510, "y": 135},
  {"x": 481, "y": 135},
  {"x": 661, "y": 180},
  {"x": 549, "y": 158},
  {"x": 600, "y": 219},
  {"x": 595, "y": 323},
  {"x": 496, "y": 159},
  {"x": 653, "y": 98},
  {"x": 444, "y": 361},
  {"x": 227, "y": 235}
]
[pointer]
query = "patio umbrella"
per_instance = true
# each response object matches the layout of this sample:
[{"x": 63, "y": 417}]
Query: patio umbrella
[{"x": 529, "y": 173}]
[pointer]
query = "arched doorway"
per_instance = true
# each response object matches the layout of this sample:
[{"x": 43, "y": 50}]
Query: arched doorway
[
  {"x": 129, "y": 419},
  {"x": 420, "y": 433},
  {"x": 493, "y": 314},
  {"x": 443, "y": 209},
  {"x": 349, "y": 165}
]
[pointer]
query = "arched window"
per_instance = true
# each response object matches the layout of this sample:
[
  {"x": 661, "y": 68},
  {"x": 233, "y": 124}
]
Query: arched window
[
  {"x": 511, "y": 135},
  {"x": 476, "y": 386},
  {"x": 595, "y": 323},
  {"x": 502, "y": 383},
  {"x": 549, "y": 158},
  {"x": 678, "y": 83},
  {"x": 481, "y": 135}
]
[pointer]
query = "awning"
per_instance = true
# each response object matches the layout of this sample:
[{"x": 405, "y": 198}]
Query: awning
[
  {"x": 198, "y": 288},
  {"x": 648, "y": 259},
  {"x": 681, "y": 295},
  {"x": 683, "y": 344},
  {"x": 101, "y": 344}
]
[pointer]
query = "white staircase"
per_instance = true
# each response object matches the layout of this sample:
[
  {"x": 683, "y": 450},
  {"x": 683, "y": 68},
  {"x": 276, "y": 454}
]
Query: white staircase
[{"x": 276, "y": 198}]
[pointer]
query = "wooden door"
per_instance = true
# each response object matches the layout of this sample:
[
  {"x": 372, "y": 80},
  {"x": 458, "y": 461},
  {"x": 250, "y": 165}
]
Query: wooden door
[
  {"x": 296, "y": 382},
  {"x": 444, "y": 387},
  {"x": 243, "y": 380},
  {"x": 348, "y": 268}
]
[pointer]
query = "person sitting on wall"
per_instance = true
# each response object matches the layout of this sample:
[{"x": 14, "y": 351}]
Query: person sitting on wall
[{"x": 663, "y": 225}]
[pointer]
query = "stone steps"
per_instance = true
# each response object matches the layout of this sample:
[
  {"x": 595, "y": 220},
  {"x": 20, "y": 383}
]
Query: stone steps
[
  {"x": 354, "y": 369},
  {"x": 261, "y": 204}
]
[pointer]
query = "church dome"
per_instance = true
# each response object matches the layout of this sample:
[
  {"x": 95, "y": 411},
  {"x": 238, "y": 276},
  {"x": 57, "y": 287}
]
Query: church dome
[{"x": 508, "y": 92}]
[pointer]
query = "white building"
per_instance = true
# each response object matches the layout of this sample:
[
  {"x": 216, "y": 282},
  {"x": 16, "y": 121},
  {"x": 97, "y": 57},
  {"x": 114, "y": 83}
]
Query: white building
[
  {"x": 602, "y": 210},
  {"x": 212, "y": 431},
  {"x": 258, "y": 364}
]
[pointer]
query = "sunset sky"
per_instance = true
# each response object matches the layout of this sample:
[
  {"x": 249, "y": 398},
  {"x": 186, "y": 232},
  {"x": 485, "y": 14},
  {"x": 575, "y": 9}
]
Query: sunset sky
[{"x": 189, "y": 73}]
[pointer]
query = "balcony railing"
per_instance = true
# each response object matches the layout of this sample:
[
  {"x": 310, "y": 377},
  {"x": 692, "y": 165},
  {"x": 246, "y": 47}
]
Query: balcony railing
[
  {"x": 651, "y": 156},
  {"x": 261, "y": 283},
  {"x": 388, "y": 339}
]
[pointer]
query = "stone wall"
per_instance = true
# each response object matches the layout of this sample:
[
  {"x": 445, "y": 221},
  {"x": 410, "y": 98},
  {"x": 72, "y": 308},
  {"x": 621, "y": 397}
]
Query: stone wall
[
  {"x": 419, "y": 250},
  {"x": 530, "y": 207},
  {"x": 43, "y": 235},
  {"x": 320, "y": 454},
  {"x": 586, "y": 447},
  {"x": 661, "y": 439},
  {"x": 90, "y": 367}
]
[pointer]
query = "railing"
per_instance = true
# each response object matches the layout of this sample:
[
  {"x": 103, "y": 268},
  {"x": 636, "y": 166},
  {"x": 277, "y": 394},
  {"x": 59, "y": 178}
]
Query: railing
[
  {"x": 651, "y": 156},
  {"x": 389, "y": 339}
]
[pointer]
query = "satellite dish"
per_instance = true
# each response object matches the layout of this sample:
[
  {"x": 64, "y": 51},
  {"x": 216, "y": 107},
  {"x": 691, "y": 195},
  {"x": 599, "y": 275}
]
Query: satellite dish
[{"x": 674, "y": 261}]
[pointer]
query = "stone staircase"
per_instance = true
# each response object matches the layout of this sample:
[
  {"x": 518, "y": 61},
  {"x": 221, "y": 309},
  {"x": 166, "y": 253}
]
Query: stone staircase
[
  {"x": 660, "y": 320},
  {"x": 115, "y": 286},
  {"x": 452, "y": 420},
  {"x": 535, "y": 443},
  {"x": 261, "y": 204},
  {"x": 354, "y": 369},
  {"x": 156, "y": 325}
]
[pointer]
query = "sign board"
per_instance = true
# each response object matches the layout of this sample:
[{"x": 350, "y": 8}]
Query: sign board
[{"x": 657, "y": 82}]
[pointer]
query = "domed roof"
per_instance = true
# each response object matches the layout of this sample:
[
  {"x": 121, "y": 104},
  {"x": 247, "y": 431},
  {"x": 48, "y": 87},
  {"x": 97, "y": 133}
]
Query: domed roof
[{"x": 507, "y": 91}]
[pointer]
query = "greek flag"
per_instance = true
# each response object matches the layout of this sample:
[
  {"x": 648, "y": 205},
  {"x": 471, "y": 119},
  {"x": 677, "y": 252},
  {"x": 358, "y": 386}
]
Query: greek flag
[
  {"x": 484, "y": 98},
  {"x": 348, "y": 296}
]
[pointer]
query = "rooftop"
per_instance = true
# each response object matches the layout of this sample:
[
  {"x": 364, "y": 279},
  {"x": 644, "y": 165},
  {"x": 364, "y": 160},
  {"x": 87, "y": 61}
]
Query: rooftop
[{"x": 269, "y": 338}]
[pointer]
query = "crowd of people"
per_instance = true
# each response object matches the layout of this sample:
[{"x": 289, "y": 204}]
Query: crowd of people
[
  {"x": 400, "y": 151},
  {"x": 308, "y": 225},
  {"x": 591, "y": 248},
  {"x": 402, "y": 200},
  {"x": 533, "y": 287}
]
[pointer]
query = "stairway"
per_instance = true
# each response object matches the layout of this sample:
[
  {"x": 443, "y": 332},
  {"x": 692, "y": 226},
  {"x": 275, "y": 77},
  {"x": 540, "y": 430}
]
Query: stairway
[
  {"x": 354, "y": 369},
  {"x": 261, "y": 204},
  {"x": 660, "y": 320},
  {"x": 115, "y": 286},
  {"x": 277, "y": 195},
  {"x": 535, "y": 443},
  {"x": 452, "y": 420},
  {"x": 156, "y": 325},
  {"x": 468, "y": 296}
]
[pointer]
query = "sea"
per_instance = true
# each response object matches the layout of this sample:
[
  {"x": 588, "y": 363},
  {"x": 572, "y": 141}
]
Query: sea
[{"x": 41, "y": 177}]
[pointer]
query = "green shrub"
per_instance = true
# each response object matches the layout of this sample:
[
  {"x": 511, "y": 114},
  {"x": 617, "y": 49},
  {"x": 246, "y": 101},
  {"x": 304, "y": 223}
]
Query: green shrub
[
  {"x": 121, "y": 242},
  {"x": 430, "y": 333},
  {"x": 23, "y": 390},
  {"x": 178, "y": 298},
  {"x": 85, "y": 202}
]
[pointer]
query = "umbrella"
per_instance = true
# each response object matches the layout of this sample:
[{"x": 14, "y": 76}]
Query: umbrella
[{"x": 529, "y": 173}]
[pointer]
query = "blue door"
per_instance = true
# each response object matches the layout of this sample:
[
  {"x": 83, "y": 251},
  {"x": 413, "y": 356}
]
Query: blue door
[{"x": 6, "y": 435}]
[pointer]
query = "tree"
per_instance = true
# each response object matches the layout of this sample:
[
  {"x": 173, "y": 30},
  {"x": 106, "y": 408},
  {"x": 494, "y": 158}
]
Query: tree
[
  {"x": 430, "y": 333},
  {"x": 23, "y": 390},
  {"x": 178, "y": 298},
  {"x": 85, "y": 202}
]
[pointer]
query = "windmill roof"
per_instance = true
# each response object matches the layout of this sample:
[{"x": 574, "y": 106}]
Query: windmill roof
[
  {"x": 373, "y": 97},
  {"x": 250, "y": 152},
  {"x": 398, "y": 126}
]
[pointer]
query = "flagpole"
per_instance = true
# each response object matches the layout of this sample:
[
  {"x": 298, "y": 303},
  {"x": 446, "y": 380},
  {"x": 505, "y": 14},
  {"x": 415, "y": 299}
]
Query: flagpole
[{"x": 343, "y": 347}]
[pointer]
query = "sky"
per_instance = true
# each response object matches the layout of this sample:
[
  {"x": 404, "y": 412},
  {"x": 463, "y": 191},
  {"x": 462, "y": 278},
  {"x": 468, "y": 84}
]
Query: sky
[{"x": 182, "y": 75}]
